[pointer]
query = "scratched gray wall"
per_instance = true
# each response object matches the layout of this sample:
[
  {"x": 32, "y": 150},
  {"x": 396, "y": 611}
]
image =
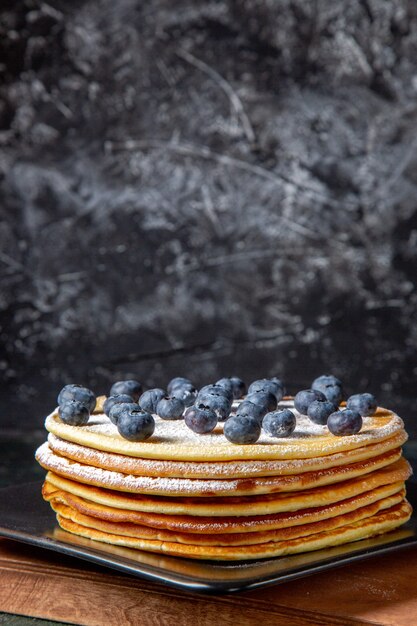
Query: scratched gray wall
[{"x": 223, "y": 187}]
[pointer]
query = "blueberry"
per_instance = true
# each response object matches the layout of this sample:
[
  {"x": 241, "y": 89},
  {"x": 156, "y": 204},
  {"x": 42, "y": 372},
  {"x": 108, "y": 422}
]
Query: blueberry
[
  {"x": 117, "y": 409},
  {"x": 242, "y": 430},
  {"x": 318, "y": 411},
  {"x": 323, "y": 381},
  {"x": 345, "y": 422},
  {"x": 330, "y": 386},
  {"x": 265, "y": 384},
  {"x": 135, "y": 424},
  {"x": 259, "y": 385},
  {"x": 239, "y": 387},
  {"x": 80, "y": 393},
  {"x": 216, "y": 402},
  {"x": 364, "y": 403},
  {"x": 279, "y": 382},
  {"x": 249, "y": 409},
  {"x": 217, "y": 389},
  {"x": 334, "y": 394},
  {"x": 200, "y": 421},
  {"x": 112, "y": 400},
  {"x": 186, "y": 393},
  {"x": 179, "y": 381},
  {"x": 130, "y": 387},
  {"x": 170, "y": 408},
  {"x": 264, "y": 398},
  {"x": 304, "y": 398},
  {"x": 74, "y": 413},
  {"x": 208, "y": 389},
  {"x": 150, "y": 398},
  {"x": 226, "y": 383},
  {"x": 279, "y": 423}
]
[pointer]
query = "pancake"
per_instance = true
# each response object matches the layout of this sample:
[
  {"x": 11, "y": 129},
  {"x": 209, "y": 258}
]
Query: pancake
[
  {"x": 139, "y": 531},
  {"x": 381, "y": 522},
  {"x": 172, "y": 440},
  {"x": 239, "y": 505},
  {"x": 220, "y": 469},
  {"x": 205, "y": 487},
  {"x": 226, "y": 524},
  {"x": 232, "y": 571},
  {"x": 199, "y": 496}
]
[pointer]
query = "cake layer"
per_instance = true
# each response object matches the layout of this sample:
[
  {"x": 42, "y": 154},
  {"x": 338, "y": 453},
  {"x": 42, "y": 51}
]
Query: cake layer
[
  {"x": 172, "y": 440},
  {"x": 381, "y": 522},
  {"x": 239, "y": 505},
  {"x": 208, "y": 487},
  {"x": 220, "y": 469},
  {"x": 226, "y": 524},
  {"x": 199, "y": 496},
  {"x": 60, "y": 505}
]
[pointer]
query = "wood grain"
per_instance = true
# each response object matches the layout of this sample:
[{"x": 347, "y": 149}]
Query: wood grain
[{"x": 44, "y": 584}]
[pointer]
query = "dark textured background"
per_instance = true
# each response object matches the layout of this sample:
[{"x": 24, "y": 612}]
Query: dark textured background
[{"x": 207, "y": 188}]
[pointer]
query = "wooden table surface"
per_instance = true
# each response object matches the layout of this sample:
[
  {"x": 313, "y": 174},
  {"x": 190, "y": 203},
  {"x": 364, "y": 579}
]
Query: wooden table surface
[{"x": 35, "y": 582}]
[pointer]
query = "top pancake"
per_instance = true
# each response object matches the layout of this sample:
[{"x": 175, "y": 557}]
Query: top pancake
[{"x": 173, "y": 440}]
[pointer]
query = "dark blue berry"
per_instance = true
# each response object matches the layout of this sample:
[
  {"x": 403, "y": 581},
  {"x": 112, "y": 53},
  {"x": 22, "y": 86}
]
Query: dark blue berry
[
  {"x": 74, "y": 413},
  {"x": 345, "y": 422},
  {"x": 259, "y": 385},
  {"x": 217, "y": 402},
  {"x": 279, "y": 382},
  {"x": 264, "y": 398},
  {"x": 279, "y": 423},
  {"x": 318, "y": 411},
  {"x": 330, "y": 386},
  {"x": 265, "y": 384},
  {"x": 334, "y": 394},
  {"x": 200, "y": 421},
  {"x": 185, "y": 393},
  {"x": 304, "y": 398},
  {"x": 217, "y": 389},
  {"x": 112, "y": 400},
  {"x": 323, "y": 381},
  {"x": 129, "y": 387},
  {"x": 179, "y": 381},
  {"x": 242, "y": 430},
  {"x": 226, "y": 383},
  {"x": 150, "y": 398},
  {"x": 364, "y": 403},
  {"x": 239, "y": 387},
  {"x": 135, "y": 424},
  {"x": 208, "y": 389},
  {"x": 170, "y": 408},
  {"x": 80, "y": 393},
  {"x": 250, "y": 409},
  {"x": 117, "y": 409}
]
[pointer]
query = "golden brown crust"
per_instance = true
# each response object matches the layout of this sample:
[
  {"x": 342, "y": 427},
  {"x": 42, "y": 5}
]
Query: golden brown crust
[
  {"x": 60, "y": 505},
  {"x": 381, "y": 522},
  {"x": 225, "y": 524},
  {"x": 239, "y": 505}
]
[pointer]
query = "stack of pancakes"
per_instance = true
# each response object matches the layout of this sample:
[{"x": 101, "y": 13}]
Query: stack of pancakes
[{"x": 202, "y": 497}]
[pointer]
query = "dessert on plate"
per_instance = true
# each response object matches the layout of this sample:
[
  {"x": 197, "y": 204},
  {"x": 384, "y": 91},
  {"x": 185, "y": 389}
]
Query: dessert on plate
[{"x": 223, "y": 473}]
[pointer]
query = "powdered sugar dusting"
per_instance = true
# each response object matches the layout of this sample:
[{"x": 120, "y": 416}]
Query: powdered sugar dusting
[
  {"x": 203, "y": 487},
  {"x": 220, "y": 469},
  {"x": 174, "y": 440}
]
